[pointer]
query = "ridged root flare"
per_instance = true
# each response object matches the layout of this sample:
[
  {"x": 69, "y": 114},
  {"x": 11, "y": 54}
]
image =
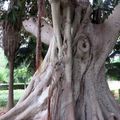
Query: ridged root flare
[
  {"x": 48, "y": 96},
  {"x": 70, "y": 84}
]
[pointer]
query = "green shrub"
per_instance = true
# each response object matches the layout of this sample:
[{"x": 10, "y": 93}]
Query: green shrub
[
  {"x": 4, "y": 71},
  {"x": 4, "y": 75},
  {"x": 4, "y": 96},
  {"x": 21, "y": 74}
]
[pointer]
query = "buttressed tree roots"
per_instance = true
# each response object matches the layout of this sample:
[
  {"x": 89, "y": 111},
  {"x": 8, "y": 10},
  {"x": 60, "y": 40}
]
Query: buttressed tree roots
[{"x": 70, "y": 84}]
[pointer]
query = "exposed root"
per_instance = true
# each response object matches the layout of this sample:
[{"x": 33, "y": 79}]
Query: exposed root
[
  {"x": 55, "y": 7},
  {"x": 35, "y": 107},
  {"x": 27, "y": 91},
  {"x": 56, "y": 79},
  {"x": 35, "y": 98},
  {"x": 76, "y": 22},
  {"x": 63, "y": 89}
]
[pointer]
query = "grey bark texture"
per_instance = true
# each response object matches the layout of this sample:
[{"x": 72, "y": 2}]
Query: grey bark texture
[{"x": 70, "y": 84}]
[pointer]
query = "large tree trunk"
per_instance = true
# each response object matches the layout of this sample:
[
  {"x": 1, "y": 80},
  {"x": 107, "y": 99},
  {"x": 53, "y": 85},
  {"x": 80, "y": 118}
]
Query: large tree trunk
[{"x": 70, "y": 84}]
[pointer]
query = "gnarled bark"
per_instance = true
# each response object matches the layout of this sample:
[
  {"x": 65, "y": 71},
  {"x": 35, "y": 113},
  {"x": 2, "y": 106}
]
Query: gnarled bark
[
  {"x": 71, "y": 83},
  {"x": 30, "y": 26}
]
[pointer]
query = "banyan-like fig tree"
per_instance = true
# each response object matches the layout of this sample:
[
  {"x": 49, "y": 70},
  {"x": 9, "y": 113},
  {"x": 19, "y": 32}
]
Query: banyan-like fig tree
[{"x": 70, "y": 84}]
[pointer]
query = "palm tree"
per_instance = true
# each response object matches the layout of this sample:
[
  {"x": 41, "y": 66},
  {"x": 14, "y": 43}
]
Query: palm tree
[{"x": 11, "y": 38}]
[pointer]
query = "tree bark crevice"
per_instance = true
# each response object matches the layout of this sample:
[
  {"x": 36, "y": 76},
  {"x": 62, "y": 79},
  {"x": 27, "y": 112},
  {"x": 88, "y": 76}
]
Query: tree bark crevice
[{"x": 70, "y": 84}]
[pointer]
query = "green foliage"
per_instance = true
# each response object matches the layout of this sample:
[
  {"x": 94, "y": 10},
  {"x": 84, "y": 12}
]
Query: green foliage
[
  {"x": 4, "y": 71},
  {"x": 26, "y": 53},
  {"x": 118, "y": 100},
  {"x": 21, "y": 74},
  {"x": 113, "y": 62},
  {"x": 4, "y": 96},
  {"x": 31, "y": 8},
  {"x": 101, "y": 10},
  {"x": 117, "y": 46},
  {"x": 108, "y": 7},
  {"x": 4, "y": 75},
  {"x": 14, "y": 14},
  {"x": 48, "y": 9},
  {"x": 113, "y": 70},
  {"x": 21, "y": 9}
]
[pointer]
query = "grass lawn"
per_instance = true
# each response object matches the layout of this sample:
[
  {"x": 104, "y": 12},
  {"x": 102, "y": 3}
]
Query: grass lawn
[
  {"x": 4, "y": 96},
  {"x": 17, "y": 94}
]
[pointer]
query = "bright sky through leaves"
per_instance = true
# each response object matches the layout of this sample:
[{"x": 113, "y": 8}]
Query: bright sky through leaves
[{"x": 5, "y": 6}]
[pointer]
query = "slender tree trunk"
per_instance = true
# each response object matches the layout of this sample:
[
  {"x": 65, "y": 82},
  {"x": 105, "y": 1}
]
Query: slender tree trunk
[
  {"x": 38, "y": 42},
  {"x": 10, "y": 103},
  {"x": 11, "y": 38}
]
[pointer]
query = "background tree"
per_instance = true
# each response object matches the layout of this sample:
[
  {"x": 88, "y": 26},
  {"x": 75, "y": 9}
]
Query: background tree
[
  {"x": 70, "y": 84},
  {"x": 113, "y": 63},
  {"x": 12, "y": 35},
  {"x": 11, "y": 38},
  {"x": 38, "y": 42}
]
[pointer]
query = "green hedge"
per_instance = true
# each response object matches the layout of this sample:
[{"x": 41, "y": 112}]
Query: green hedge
[{"x": 16, "y": 86}]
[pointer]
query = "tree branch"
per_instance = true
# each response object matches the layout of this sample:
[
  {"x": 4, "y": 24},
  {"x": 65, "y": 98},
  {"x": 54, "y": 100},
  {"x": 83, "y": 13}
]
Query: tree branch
[
  {"x": 104, "y": 36},
  {"x": 111, "y": 30},
  {"x": 114, "y": 19},
  {"x": 30, "y": 26},
  {"x": 55, "y": 8},
  {"x": 111, "y": 27}
]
